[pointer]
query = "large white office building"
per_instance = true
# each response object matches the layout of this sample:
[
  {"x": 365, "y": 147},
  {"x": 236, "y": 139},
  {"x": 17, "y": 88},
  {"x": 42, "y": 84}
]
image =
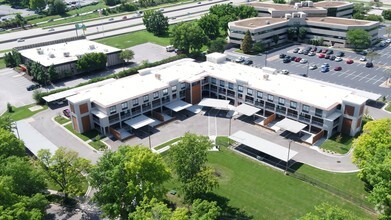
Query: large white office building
[
  {"x": 327, "y": 20},
  {"x": 127, "y": 104}
]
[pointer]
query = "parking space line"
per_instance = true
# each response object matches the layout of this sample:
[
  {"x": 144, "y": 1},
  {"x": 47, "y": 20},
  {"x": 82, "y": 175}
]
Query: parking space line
[
  {"x": 371, "y": 78},
  {"x": 357, "y": 75},
  {"x": 379, "y": 80},
  {"x": 378, "y": 68},
  {"x": 363, "y": 77},
  {"x": 343, "y": 73},
  {"x": 350, "y": 74}
]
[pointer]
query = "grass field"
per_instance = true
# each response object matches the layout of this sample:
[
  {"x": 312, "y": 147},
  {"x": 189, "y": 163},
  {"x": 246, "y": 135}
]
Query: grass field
[
  {"x": 2, "y": 63},
  {"x": 341, "y": 147},
  {"x": 98, "y": 145},
  {"x": 61, "y": 120},
  {"x": 84, "y": 136},
  {"x": 167, "y": 143},
  {"x": 250, "y": 189},
  {"x": 388, "y": 108},
  {"x": 23, "y": 112},
  {"x": 135, "y": 38}
]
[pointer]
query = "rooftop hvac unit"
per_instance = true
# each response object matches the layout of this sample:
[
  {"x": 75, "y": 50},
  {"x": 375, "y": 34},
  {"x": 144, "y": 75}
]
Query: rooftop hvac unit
[
  {"x": 66, "y": 54},
  {"x": 310, "y": 4},
  {"x": 92, "y": 47},
  {"x": 322, "y": 19},
  {"x": 52, "y": 55},
  {"x": 266, "y": 77},
  {"x": 39, "y": 51},
  {"x": 105, "y": 50},
  {"x": 267, "y": 22},
  {"x": 158, "y": 76}
]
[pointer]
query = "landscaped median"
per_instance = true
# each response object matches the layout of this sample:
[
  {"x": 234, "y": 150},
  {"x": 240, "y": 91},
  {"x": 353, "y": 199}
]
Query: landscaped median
[
  {"x": 92, "y": 137},
  {"x": 19, "y": 113},
  {"x": 249, "y": 189}
]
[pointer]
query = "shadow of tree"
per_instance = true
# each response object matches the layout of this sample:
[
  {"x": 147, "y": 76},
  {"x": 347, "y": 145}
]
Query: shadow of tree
[{"x": 227, "y": 211}]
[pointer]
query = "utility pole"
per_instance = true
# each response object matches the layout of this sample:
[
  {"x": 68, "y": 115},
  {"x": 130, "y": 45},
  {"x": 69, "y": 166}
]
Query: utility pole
[{"x": 287, "y": 160}]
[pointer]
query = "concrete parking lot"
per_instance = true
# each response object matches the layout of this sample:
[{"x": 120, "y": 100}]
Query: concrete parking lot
[{"x": 150, "y": 52}]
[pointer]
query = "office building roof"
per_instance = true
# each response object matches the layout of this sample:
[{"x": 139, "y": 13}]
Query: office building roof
[
  {"x": 331, "y": 4},
  {"x": 65, "y": 52},
  {"x": 343, "y": 21},
  {"x": 258, "y": 22}
]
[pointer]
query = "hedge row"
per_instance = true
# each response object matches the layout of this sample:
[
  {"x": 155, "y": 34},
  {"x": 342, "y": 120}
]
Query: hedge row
[{"x": 39, "y": 96}]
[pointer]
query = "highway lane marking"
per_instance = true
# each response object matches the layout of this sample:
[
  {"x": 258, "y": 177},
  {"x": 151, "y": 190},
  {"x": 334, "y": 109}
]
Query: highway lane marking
[
  {"x": 379, "y": 80},
  {"x": 363, "y": 77}
]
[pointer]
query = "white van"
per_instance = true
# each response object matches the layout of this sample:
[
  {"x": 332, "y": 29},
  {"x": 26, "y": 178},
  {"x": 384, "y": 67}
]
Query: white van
[{"x": 170, "y": 48}]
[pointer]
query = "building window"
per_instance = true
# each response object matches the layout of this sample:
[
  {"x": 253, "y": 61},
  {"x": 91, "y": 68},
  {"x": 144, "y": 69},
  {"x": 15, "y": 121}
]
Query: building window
[
  {"x": 249, "y": 92},
  {"x": 231, "y": 86},
  {"x": 293, "y": 104},
  {"x": 281, "y": 101},
  {"x": 222, "y": 83},
  {"x": 155, "y": 95},
  {"x": 306, "y": 108},
  {"x": 165, "y": 91},
  {"x": 146, "y": 98},
  {"x": 213, "y": 81},
  {"x": 173, "y": 89},
  {"x": 124, "y": 105},
  {"x": 183, "y": 85},
  {"x": 259, "y": 94},
  {"x": 318, "y": 112},
  {"x": 240, "y": 88},
  {"x": 113, "y": 109},
  {"x": 135, "y": 101},
  {"x": 270, "y": 97}
]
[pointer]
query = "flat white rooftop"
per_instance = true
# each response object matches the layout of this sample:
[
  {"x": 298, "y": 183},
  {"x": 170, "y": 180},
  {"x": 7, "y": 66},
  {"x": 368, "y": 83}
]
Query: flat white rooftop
[
  {"x": 314, "y": 93},
  {"x": 65, "y": 52}
]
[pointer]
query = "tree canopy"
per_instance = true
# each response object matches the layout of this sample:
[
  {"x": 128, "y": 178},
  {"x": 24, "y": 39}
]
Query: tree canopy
[
  {"x": 326, "y": 211},
  {"x": 372, "y": 154},
  {"x": 91, "y": 62},
  {"x": 247, "y": 43},
  {"x": 188, "y": 158},
  {"x": 210, "y": 24},
  {"x": 188, "y": 37},
  {"x": 386, "y": 14},
  {"x": 10, "y": 145},
  {"x": 359, "y": 38},
  {"x": 126, "y": 178},
  {"x": 126, "y": 55},
  {"x": 64, "y": 168},
  {"x": 156, "y": 22},
  {"x": 37, "y": 5},
  {"x": 217, "y": 45}
]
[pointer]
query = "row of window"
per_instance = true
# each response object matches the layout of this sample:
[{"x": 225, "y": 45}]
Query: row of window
[{"x": 135, "y": 102}]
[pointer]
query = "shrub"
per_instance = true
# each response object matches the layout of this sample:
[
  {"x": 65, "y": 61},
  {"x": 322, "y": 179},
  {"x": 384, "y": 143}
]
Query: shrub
[
  {"x": 338, "y": 139},
  {"x": 9, "y": 107}
]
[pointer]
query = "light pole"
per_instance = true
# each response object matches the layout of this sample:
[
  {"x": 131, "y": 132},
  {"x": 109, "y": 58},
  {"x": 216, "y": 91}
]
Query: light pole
[
  {"x": 265, "y": 58},
  {"x": 287, "y": 160},
  {"x": 230, "y": 125},
  {"x": 308, "y": 66},
  {"x": 149, "y": 137}
]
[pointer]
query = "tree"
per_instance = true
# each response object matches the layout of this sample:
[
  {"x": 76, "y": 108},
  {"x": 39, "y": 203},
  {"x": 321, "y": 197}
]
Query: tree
[
  {"x": 112, "y": 2},
  {"x": 155, "y": 22},
  {"x": 372, "y": 155},
  {"x": 10, "y": 145},
  {"x": 188, "y": 37},
  {"x": 386, "y": 14},
  {"x": 326, "y": 211},
  {"x": 223, "y": 22},
  {"x": 52, "y": 73},
  {"x": 291, "y": 33},
  {"x": 37, "y": 5},
  {"x": 247, "y": 43},
  {"x": 302, "y": 32},
  {"x": 64, "y": 168},
  {"x": 202, "y": 209},
  {"x": 372, "y": 17},
  {"x": 188, "y": 158},
  {"x": 152, "y": 209},
  {"x": 245, "y": 11},
  {"x": 222, "y": 10},
  {"x": 20, "y": 20},
  {"x": 17, "y": 57},
  {"x": 275, "y": 39},
  {"x": 6, "y": 122},
  {"x": 258, "y": 47},
  {"x": 279, "y": 1},
  {"x": 126, "y": 55},
  {"x": 209, "y": 23},
  {"x": 91, "y": 62},
  {"x": 358, "y": 38},
  {"x": 126, "y": 178},
  {"x": 217, "y": 45},
  {"x": 9, "y": 60},
  {"x": 57, "y": 7}
]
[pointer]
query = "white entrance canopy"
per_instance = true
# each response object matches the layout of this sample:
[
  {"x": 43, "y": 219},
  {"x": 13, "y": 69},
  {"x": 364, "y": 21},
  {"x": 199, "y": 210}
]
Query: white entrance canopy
[
  {"x": 139, "y": 121},
  {"x": 247, "y": 109},
  {"x": 178, "y": 105},
  {"x": 290, "y": 125},
  {"x": 263, "y": 145},
  {"x": 214, "y": 103}
]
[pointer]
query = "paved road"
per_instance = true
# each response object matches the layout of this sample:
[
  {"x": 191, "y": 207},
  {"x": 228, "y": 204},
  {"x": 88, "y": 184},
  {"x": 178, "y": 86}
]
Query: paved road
[
  {"x": 58, "y": 136},
  {"x": 199, "y": 124}
]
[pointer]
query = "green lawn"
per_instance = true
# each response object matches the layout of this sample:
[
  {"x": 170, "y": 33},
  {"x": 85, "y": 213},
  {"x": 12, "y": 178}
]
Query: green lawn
[
  {"x": 223, "y": 141},
  {"x": 61, "y": 120},
  {"x": 167, "y": 143},
  {"x": 135, "y": 38},
  {"x": 2, "y": 63},
  {"x": 342, "y": 147},
  {"x": 98, "y": 145},
  {"x": 388, "y": 108},
  {"x": 356, "y": 187},
  {"x": 84, "y": 136},
  {"x": 23, "y": 112},
  {"x": 250, "y": 189}
]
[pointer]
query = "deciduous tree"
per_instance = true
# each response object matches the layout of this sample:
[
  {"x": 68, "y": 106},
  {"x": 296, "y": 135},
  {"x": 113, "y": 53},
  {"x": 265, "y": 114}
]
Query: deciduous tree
[
  {"x": 6, "y": 122},
  {"x": 126, "y": 55},
  {"x": 188, "y": 37},
  {"x": 202, "y": 209},
  {"x": 217, "y": 45},
  {"x": 64, "y": 168},
  {"x": 247, "y": 43},
  {"x": 326, "y": 211},
  {"x": 37, "y": 5},
  {"x": 386, "y": 14},
  {"x": 126, "y": 178},
  {"x": 359, "y": 38},
  {"x": 156, "y": 22},
  {"x": 210, "y": 25},
  {"x": 245, "y": 11},
  {"x": 91, "y": 62},
  {"x": 10, "y": 145}
]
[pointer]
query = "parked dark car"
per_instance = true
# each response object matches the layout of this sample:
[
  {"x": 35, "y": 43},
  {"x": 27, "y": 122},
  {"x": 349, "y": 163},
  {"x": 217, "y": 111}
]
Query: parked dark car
[
  {"x": 327, "y": 56},
  {"x": 33, "y": 87},
  {"x": 369, "y": 64},
  {"x": 296, "y": 50},
  {"x": 286, "y": 60},
  {"x": 66, "y": 113},
  {"x": 332, "y": 57},
  {"x": 314, "y": 49},
  {"x": 320, "y": 50},
  {"x": 293, "y": 58},
  {"x": 306, "y": 52},
  {"x": 282, "y": 56},
  {"x": 340, "y": 54},
  {"x": 248, "y": 62},
  {"x": 330, "y": 52}
]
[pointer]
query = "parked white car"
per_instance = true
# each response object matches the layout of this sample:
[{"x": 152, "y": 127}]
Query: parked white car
[
  {"x": 363, "y": 59},
  {"x": 338, "y": 59},
  {"x": 312, "y": 67},
  {"x": 302, "y": 61}
]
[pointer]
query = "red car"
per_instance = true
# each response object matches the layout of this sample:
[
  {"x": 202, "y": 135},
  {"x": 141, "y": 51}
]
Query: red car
[
  {"x": 297, "y": 59},
  {"x": 67, "y": 113},
  {"x": 338, "y": 68},
  {"x": 322, "y": 55},
  {"x": 124, "y": 17},
  {"x": 324, "y": 51},
  {"x": 350, "y": 61}
]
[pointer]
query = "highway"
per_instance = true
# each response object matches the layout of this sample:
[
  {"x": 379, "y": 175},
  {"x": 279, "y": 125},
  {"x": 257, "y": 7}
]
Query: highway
[{"x": 104, "y": 27}]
